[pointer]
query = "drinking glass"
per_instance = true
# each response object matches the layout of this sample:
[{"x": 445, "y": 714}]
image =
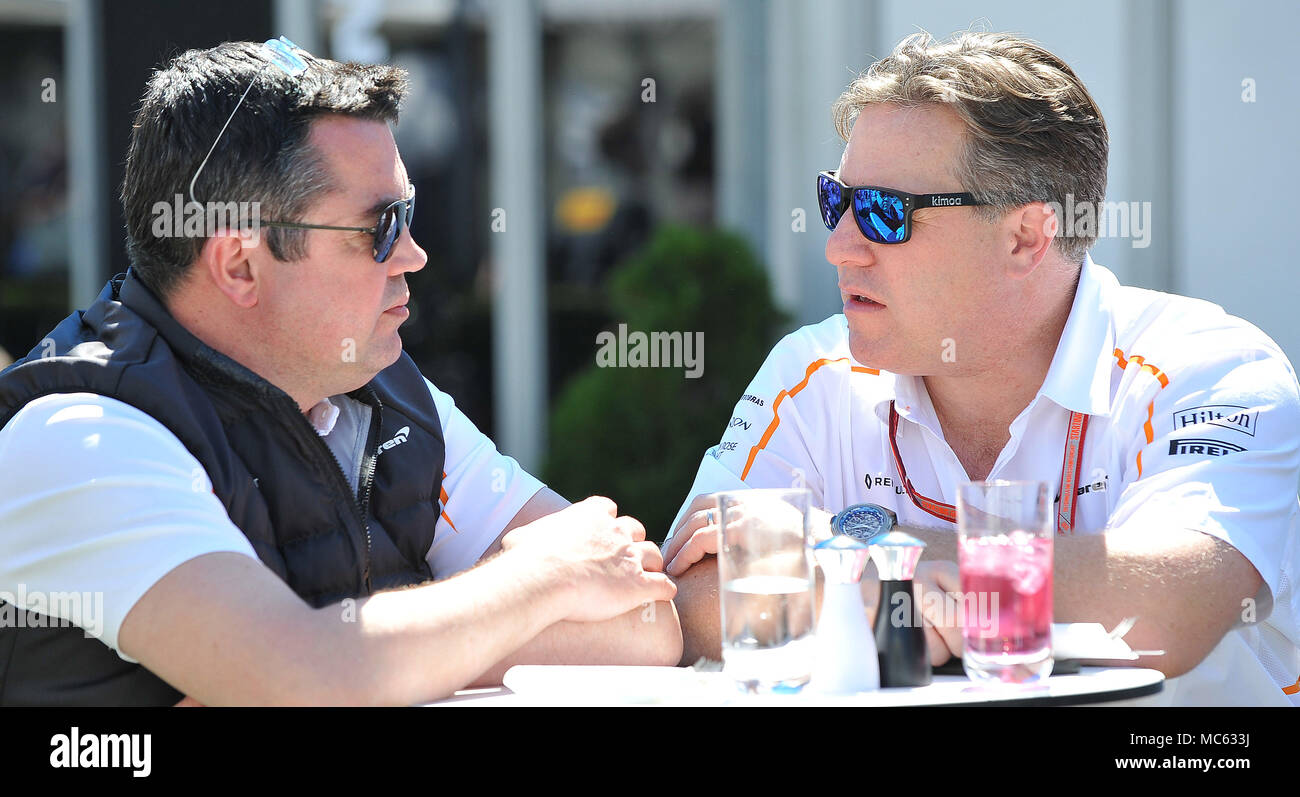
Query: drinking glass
[
  {"x": 1004, "y": 537},
  {"x": 765, "y": 572}
]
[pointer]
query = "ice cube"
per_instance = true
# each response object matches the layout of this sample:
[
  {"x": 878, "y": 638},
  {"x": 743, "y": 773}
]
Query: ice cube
[{"x": 1027, "y": 577}]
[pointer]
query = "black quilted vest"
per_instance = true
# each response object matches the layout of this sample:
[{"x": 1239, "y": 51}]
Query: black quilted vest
[{"x": 277, "y": 479}]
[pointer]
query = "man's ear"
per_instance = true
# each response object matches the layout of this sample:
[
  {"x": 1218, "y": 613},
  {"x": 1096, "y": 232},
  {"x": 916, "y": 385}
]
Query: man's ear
[
  {"x": 226, "y": 259},
  {"x": 1033, "y": 228}
]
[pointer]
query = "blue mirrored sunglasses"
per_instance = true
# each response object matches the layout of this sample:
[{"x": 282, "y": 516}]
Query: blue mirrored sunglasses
[{"x": 884, "y": 215}]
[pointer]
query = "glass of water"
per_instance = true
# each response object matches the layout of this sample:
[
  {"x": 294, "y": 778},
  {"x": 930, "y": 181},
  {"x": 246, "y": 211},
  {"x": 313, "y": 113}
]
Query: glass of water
[{"x": 765, "y": 572}]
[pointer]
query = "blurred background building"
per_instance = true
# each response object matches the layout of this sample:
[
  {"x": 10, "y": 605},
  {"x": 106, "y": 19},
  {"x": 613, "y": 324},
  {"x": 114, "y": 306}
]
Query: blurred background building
[{"x": 551, "y": 139}]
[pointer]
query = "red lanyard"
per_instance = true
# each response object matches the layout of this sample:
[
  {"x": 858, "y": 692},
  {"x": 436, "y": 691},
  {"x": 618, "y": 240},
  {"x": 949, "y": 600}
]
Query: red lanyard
[{"x": 1070, "y": 465}]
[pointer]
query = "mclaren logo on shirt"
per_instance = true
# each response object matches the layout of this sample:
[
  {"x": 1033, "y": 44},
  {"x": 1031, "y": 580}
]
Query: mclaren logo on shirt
[
  {"x": 1098, "y": 486},
  {"x": 1228, "y": 416},
  {"x": 1212, "y": 448},
  {"x": 398, "y": 439},
  {"x": 1100, "y": 483}
]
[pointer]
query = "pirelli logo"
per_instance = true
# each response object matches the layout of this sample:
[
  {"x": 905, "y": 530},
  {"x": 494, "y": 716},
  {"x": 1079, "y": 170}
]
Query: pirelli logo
[{"x": 1210, "y": 448}]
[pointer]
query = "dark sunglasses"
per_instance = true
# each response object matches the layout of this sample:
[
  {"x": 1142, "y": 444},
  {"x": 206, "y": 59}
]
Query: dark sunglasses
[
  {"x": 392, "y": 220},
  {"x": 884, "y": 215}
]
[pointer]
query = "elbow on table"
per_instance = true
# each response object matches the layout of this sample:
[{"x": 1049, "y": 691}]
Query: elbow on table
[
  {"x": 1172, "y": 664},
  {"x": 1186, "y": 638},
  {"x": 662, "y": 646},
  {"x": 1183, "y": 652}
]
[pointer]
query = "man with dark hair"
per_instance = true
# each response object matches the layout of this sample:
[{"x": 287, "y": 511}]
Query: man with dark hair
[
  {"x": 225, "y": 480},
  {"x": 980, "y": 341}
]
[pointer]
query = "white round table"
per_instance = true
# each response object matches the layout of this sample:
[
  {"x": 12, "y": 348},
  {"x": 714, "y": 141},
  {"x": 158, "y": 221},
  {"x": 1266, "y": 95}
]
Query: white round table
[{"x": 538, "y": 685}]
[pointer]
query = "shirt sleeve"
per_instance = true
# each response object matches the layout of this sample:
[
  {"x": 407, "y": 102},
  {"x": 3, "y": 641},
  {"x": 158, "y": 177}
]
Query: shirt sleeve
[
  {"x": 98, "y": 502},
  {"x": 1220, "y": 454},
  {"x": 482, "y": 491},
  {"x": 766, "y": 442}
]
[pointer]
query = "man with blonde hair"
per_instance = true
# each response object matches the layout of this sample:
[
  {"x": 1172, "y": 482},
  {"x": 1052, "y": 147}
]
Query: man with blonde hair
[{"x": 980, "y": 341}]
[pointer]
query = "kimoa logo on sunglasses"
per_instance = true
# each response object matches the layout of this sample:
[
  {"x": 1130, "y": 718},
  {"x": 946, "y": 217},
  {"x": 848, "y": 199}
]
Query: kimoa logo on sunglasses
[{"x": 181, "y": 219}]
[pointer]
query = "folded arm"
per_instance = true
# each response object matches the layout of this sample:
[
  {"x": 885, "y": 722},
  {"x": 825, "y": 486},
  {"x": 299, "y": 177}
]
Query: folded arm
[
  {"x": 1186, "y": 587},
  {"x": 225, "y": 630}
]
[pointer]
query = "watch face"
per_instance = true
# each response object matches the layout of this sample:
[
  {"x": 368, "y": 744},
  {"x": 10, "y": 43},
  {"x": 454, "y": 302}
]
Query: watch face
[{"x": 864, "y": 522}]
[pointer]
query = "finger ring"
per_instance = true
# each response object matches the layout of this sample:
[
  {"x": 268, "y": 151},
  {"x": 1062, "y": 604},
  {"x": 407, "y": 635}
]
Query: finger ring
[{"x": 709, "y": 517}]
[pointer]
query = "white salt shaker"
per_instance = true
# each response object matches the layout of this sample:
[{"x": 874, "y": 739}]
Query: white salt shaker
[{"x": 846, "y": 659}]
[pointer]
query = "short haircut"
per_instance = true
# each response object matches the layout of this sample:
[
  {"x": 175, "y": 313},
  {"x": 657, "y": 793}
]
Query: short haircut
[
  {"x": 263, "y": 156},
  {"x": 1033, "y": 132}
]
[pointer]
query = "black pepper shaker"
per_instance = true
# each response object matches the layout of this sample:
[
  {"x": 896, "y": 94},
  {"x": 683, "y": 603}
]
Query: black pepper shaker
[{"x": 900, "y": 633}]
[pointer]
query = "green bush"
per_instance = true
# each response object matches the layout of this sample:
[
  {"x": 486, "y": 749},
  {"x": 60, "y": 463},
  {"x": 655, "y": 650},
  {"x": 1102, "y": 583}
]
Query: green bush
[{"x": 637, "y": 434}]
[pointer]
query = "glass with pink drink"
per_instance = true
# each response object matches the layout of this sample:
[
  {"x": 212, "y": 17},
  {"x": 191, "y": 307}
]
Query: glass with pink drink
[{"x": 1004, "y": 537}]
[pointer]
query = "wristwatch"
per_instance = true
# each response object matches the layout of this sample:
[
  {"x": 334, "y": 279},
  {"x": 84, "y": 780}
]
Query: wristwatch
[{"x": 863, "y": 521}]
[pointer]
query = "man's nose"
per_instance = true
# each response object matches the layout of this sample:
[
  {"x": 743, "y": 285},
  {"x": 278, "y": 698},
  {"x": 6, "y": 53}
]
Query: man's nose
[
  {"x": 407, "y": 255},
  {"x": 847, "y": 246}
]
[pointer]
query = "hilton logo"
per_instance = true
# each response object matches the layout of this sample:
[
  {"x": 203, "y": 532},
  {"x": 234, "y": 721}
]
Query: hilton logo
[
  {"x": 1228, "y": 416},
  {"x": 1212, "y": 448}
]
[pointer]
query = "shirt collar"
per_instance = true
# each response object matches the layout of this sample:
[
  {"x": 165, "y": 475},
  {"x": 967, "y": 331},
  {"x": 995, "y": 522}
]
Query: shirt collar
[
  {"x": 910, "y": 398},
  {"x": 1078, "y": 378},
  {"x": 323, "y": 416}
]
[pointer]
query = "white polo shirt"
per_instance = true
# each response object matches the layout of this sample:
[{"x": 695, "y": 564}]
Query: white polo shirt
[
  {"x": 99, "y": 499},
  {"x": 1194, "y": 421}
]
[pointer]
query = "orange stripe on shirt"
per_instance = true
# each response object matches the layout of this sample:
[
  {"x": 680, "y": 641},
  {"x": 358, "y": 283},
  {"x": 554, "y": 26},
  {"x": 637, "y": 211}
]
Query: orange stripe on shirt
[
  {"x": 776, "y": 405},
  {"x": 1151, "y": 408},
  {"x": 442, "y": 495},
  {"x": 1146, "y": 366}
]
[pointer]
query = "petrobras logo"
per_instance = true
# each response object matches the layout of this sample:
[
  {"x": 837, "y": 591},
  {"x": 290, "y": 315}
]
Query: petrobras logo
[
  {"x": 1205, "y": 447},
  {"x": 1227, "y": 416}
]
